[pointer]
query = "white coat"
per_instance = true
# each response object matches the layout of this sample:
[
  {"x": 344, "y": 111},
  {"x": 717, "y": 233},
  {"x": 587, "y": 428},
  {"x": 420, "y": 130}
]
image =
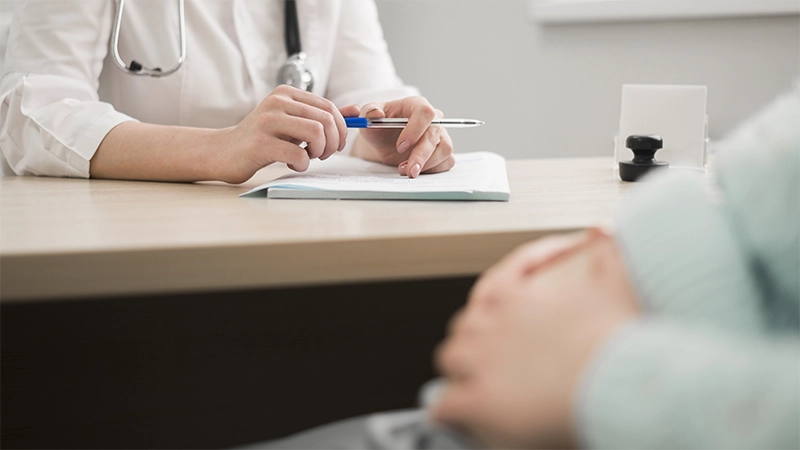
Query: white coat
[{"x": 62, "y": 92}]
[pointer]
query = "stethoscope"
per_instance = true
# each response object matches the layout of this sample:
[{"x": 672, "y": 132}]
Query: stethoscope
[{"x": 293, "y": 72}]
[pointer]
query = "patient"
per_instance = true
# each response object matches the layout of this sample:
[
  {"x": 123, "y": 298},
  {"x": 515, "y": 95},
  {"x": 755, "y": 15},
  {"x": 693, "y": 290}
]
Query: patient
[{"x": 677, "y": 329}]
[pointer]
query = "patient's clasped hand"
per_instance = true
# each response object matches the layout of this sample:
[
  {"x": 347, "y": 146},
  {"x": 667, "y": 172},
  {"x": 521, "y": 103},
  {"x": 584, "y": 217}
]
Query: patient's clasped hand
[{"x": 517, "y": 350}]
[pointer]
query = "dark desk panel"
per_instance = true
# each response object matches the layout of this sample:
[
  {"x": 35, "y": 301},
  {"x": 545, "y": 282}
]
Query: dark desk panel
[{"x": 218, "y": 369}]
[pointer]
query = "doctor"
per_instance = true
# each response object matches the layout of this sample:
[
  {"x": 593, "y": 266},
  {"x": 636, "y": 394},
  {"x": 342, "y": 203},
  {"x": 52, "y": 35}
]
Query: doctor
[{"x": 80, "y": 101}]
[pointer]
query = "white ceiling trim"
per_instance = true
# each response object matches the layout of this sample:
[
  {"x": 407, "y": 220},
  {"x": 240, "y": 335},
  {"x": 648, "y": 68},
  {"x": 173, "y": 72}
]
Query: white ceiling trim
[{"x": 584, "y": 11}]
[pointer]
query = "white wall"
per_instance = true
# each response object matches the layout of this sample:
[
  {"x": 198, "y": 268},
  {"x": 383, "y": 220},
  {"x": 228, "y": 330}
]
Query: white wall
[
  {"x": 6, "y": 9},
  {"x": 548, "y": 91}
]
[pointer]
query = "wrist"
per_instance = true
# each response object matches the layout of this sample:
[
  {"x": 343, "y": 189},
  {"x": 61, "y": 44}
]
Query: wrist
[{"x": 216, "y": 162}]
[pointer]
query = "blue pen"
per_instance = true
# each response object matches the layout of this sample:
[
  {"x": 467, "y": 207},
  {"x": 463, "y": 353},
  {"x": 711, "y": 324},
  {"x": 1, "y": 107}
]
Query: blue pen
[{"x": 363, "y": 122}]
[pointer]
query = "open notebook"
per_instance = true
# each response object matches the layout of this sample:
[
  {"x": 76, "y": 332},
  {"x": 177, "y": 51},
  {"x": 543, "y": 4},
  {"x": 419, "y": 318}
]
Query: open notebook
[{"x": 476, "y": 176}]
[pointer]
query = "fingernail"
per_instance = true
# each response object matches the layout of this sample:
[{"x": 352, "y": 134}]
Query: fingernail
[
  {"x": 403, "y": 146},
  {"x": 415, "y": 169}
]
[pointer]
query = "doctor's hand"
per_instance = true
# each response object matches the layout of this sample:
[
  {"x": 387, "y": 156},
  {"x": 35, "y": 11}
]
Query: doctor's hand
[
  {"x": 417, "y": 148},
  {"x": 515, "y": 356},
  {"x": 275, "y": 130}
]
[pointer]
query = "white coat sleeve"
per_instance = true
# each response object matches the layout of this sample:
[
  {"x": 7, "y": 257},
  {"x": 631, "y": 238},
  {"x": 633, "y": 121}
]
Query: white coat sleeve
[
  {"x": 362, "y": 70},
  {"x": 51, "y": 117}
]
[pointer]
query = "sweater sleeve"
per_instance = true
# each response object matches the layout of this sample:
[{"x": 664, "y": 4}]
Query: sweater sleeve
[
  {"x": 51, "y": 118},
  {"x": 759, "y": 173},
  {"x": 716, "y": 364},
  {"x": 665, "y": 384}
]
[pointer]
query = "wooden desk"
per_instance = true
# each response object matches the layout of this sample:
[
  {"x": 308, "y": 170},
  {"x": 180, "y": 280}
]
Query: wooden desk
[
  {"x": 138, "y": 315},
  {"x": 67, "y": 238}
]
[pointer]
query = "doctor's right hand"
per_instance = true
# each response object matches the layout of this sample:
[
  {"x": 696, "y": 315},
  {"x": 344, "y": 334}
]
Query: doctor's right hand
[{"x": 275, "y": 130}]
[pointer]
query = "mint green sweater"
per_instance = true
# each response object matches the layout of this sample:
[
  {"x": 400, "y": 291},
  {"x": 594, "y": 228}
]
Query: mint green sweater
[{"x": 715, "y": 362}]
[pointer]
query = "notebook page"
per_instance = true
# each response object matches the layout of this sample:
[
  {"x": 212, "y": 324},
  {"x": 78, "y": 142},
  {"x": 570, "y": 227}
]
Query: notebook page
[{"x": 472, "y": 172}]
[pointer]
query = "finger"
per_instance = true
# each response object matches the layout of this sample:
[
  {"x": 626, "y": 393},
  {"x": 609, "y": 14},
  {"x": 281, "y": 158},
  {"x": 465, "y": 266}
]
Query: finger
[
  {"x": 419, "y": 120},
  {"x": 441, "y": 160},
  {"x": 493, "y": 285},
  {"x": 455, "y": 320},
  {"x": 456, "y": 405},
  {"x": 422, "y": 151},
  {"x": 402, "y": 168},
  {"x": 456, "y": 357},
  {"x": 331, "y": 143},
  {"x": 373, "y": 111},
  {"x": 350, "y": 110},
  {"x": 293, "y": 155},
  {"x": 441, "y": 154},
  {"x": 480, "y": 289},
  {"x": 464, "y": 353},
  {"x": 532, "y": 256},
  {"x": 320, "y": 103},
  {"x": 312, "y": 132},
  {"x": 444, "y": 166}
]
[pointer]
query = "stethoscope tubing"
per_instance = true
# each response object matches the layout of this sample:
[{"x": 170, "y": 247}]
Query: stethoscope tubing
[{"x": 144, "y": 71}]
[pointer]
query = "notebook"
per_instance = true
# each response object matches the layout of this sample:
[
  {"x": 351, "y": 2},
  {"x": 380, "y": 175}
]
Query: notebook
[{"x": 479, "y": 176}]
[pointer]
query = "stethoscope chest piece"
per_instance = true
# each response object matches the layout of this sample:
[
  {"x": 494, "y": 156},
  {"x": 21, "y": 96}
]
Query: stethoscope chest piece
[{"x": 295, "y": 74}]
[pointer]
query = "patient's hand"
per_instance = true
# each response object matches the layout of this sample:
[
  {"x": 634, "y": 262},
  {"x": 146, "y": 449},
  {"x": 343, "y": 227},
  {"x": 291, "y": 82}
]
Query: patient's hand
[{"x": 515, "y": 355}]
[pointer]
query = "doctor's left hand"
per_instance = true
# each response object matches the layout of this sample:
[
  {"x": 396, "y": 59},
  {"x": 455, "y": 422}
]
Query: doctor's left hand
[{"x": 417, "y": 148}]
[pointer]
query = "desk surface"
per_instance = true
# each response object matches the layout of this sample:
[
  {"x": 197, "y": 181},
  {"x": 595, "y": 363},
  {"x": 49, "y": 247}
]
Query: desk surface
[{"x": 62, "y": 238}]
